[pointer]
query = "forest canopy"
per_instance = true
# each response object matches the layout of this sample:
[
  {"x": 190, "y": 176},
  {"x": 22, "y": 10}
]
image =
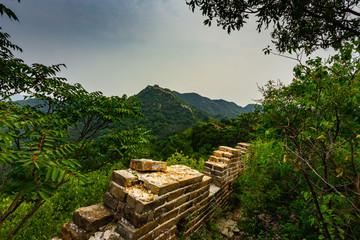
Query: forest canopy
[{"x": 295, "y": 25}]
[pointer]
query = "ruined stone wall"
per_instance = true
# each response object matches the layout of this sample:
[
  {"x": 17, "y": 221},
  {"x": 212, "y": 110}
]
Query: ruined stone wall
[{"x": 153, "y": 201}]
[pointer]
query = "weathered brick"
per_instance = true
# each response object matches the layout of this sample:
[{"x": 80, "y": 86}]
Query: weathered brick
[
  {"x": 175, "y": 194},
  {"x": 161, "y": 228},
  {"x": 228, "y": 155},
  {"x": 142, "y": 207},
  {"x": 181, "y": 200},
  {"x": 130, "y": 233},
  {"x": 145, "y": 165},
  {"x": 209, "y": 165},
  {"x": 110, "y": 201},
  {"x": 205, "y": 181},
  {"x": 219, "y": 168},
  {"x": 193, "y": 187},
  {"x": 218, "y": 153},
  {"x": 161, "y": 189},
  {"x": 124, "y": 178},
  {"x": 70, "y": 231},
  {"x": 136, "y": 219},
  {"x": 117, "y": 191},
  {"x": 218, "y": 173},
  {"x": 214, "y": 158},
  {"x": 92, "y": 217},
  {"x": 167, "y": 216},
  {"x": 164, "y": 208},
  {"x": 190, "y": 179}
]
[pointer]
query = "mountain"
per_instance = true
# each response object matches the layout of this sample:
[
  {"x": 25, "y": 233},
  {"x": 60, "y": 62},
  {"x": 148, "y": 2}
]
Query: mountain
[
  {"x": 165, "y": 113},
  {"x": 168, "y": 112},
  {"x": 218, "y": 109}
]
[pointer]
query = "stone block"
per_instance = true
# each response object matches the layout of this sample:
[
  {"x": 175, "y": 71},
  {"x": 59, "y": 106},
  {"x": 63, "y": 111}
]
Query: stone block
[
  {"x": 193, "y": 187},
  {"x": 223, "y": 148},
  {"x": 128, "y": 232},
  {"x": 190, "y": 179},
  {"x": 181, "y": 200},
  {"x": 218, "y": 153},
  {"x": 205, "y": 181},
  {"x": 167, "y": 216},
  {"x": 209, "y": 165},
  {"x": 92, "y": 217},
  {"x": 148, "y": 236},
  {"x": 142, "y": 207},
  {"x": 110, "y": 201},
  {"x": 136, "y": 219},
  {"x": 175, "y": 194},
  {"x": 163, "y": 209},
  {"x": 124, "y": 178},
  {"x": 219, "y": 173},
  {"x": 219, "y": 168},
  {"x": 167, "y": 225},
  {"x": 117, "y": 191},
  {"x": 213, "y": 158},
  {"x": 224, "y": 160},
  {"x": 161, "y": 189},
  {"x": 70, "y": 231},
  {"x": 228, "y": 155},
  {"x": 147, "y": 165}
]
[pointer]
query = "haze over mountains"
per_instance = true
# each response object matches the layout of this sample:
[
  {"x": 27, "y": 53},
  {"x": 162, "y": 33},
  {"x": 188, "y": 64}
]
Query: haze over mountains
[{"x": 167, "y": 112}]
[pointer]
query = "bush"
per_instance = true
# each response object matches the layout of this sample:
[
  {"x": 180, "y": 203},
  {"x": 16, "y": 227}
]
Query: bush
[{"x": 270, "y": 193}]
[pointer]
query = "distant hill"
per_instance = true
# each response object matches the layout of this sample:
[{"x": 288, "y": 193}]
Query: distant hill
[
  {"x": 218, "y": 109},
  {"x": 166, "y": 113}
]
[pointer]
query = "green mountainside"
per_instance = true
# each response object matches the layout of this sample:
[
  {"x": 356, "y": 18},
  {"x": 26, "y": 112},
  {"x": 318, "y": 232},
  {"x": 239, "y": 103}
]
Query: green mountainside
[
  {"x": 165, "y": 113},
  {"x": 168, "y": 112},
  {"x": 218, "y": 109}
]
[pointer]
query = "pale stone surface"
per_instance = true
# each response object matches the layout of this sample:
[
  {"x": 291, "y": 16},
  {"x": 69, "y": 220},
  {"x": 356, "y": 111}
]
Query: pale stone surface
[
  {"x": 124, "y": 178},
  {"x": 71, "y": 231},
  {"x": 218, "y": 153},
  {"x": 117, "y": 191},
  {"x": 213, "y": 189},
  {"x": 92, "y": 217},
  {"x": 144, "y": 165}
]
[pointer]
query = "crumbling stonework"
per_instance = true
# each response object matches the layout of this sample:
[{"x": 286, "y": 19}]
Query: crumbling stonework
[{"x": 153, "y": 201}]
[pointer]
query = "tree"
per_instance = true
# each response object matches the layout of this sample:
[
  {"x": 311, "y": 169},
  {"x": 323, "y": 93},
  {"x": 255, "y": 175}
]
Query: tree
[
  {"x": 305, "y": 24},
  {"x": 37, "y": 152},
  {"x": 318, "y": 115}
]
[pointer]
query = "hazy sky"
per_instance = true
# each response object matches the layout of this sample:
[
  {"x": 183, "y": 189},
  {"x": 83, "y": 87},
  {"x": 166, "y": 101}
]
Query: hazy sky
[{"x": 121, "y": 46}]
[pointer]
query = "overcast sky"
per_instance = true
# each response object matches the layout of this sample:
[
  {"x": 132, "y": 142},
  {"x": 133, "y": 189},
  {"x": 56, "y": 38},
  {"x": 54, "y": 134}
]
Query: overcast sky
[{"x": 121, "y": 46}]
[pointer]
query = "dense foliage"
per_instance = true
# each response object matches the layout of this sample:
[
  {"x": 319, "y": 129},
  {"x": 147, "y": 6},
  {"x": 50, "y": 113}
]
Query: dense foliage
[
  {"x": 202, "y": 139},
  {"x": 296, "y": 25},
  {"x": 302, "y": 178},
  {"x": 218, "y": 109},
  {"x": 308, "y": 162},
  {"x": 165, "y": 113},
  {"x": 37, "y": 152}
]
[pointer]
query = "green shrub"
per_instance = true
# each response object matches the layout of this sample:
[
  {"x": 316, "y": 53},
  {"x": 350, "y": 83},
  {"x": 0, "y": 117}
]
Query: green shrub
[
  {"x": 47, "y": 221},
  {"x": 180, "y": 158},
  {"x": 269, "y": 192}
]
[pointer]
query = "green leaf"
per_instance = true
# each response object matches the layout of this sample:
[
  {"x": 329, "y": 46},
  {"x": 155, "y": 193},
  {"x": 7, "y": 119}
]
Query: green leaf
[{"x": 55, "y": 174}]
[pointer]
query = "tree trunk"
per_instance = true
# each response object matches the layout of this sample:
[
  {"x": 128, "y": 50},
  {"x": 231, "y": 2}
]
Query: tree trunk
[{"x": 33, "y": 210}]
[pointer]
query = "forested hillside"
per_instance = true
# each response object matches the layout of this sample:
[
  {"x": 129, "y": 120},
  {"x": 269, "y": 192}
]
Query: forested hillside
[
  {"x": 302, "y": 172},
  {"x": 165, "y": 113},
  {"x": 218, "y": 109}
]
